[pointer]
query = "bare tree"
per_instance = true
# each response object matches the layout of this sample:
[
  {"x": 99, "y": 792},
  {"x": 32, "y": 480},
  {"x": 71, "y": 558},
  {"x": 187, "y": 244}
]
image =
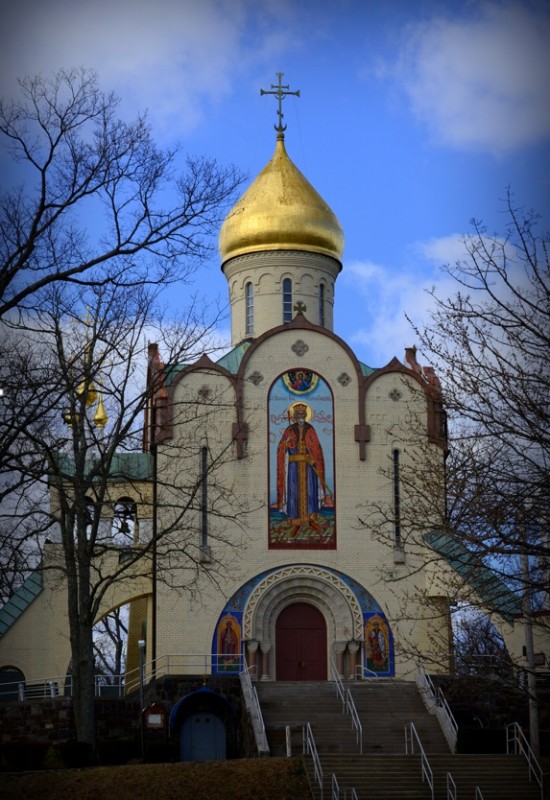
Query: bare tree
[
  {"x": 490, "y": 344},
  {"x": 110, "y": 640},
  {"x": 79, "y": 301},
  {"x": 94, "y": 199},
  {"x": 90, "y": 395},
  {"x": 479, "y": 648}
]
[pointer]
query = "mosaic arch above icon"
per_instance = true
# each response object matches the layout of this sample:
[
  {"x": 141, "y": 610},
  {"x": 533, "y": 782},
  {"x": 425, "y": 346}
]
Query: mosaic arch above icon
[
  {"x": 377, "y": 651},
  {"x": 302, "y": 498}
]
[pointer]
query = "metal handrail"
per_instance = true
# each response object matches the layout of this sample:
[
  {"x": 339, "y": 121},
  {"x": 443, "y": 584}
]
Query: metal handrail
[
  {"x": 335, "y": 789},
  {"x": 451, "y": 788},
  {"x": 252, "y": 703},
  {"x": 288, "y": 738},
  {"x": 410, "y": 736},
  {"x": 478, "y": 796},
  {"x": 438, "y": 703},
  {"x": 515, "y": 736},
  {"x": 355, "y": 721},
  {"x": 60, "y": 686},
  {"x": 353, "y": 795},
  {"x": 362, "y": 669},
  {"x": 338, "y": 684},
  {"x": 168, "y": 664},
  {"x": 310, "y": 748}
]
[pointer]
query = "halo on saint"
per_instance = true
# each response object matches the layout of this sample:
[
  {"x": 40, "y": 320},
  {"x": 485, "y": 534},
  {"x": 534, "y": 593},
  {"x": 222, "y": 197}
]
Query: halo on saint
[{"x": 299, "y": 405}]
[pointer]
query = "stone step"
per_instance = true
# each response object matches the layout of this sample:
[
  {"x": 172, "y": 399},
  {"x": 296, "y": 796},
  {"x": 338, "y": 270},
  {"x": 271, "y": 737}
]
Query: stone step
[
  {"x": 383, "y": 722},
  {"x": 383, "y": 770},
  {"x": 499, "y": 777}
]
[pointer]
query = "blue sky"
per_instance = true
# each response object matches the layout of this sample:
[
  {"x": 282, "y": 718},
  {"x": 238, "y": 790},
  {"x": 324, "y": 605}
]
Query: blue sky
[{"x": 413, "y": 118}]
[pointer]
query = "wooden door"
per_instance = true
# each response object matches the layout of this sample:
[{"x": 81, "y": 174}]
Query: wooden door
[{"x": 301, "y": 644}]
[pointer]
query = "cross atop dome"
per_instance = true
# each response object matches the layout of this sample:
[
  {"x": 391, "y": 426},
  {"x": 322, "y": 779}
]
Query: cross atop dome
[{"x": 280, "y": 91}]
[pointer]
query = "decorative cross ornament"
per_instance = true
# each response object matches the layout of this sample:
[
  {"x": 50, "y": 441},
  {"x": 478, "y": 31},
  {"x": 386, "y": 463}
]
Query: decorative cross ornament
[
  {"x": 280, "y": 91},
  {"x": 300, "y": 307}
]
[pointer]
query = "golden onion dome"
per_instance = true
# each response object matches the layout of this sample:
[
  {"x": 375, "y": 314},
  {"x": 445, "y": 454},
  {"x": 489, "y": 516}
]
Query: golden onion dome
[{"x": 281, "y": 211}]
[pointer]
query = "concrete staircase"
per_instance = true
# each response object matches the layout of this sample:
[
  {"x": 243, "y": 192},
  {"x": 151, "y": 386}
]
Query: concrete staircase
[{"x": 383, "y": 770}]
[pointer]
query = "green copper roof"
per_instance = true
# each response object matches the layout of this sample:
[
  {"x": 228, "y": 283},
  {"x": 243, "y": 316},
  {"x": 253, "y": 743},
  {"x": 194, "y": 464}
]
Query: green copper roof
[
  {"x": 366, "y": 370},
  {"x": 21, "y": 600},
  {"x": 231, "y": 361},
  {"x": 490, "y": 588},
  {"x": 124, "y": 466}
]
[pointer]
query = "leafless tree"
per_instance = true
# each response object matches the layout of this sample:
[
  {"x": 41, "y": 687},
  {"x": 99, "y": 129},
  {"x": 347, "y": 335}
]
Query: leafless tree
[
  {"x": 490, "y": 346},
  {"x": 93, "y": 199},
  {"x": 97, "y": 227},
  {"x": 479, "y": 648},
  {"x": 90, "y": 395},
  {"x": 110, "y": 640}
]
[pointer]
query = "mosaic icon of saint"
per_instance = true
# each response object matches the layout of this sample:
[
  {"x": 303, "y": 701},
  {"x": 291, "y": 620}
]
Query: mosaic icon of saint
[{"x": 301, "y": 487}]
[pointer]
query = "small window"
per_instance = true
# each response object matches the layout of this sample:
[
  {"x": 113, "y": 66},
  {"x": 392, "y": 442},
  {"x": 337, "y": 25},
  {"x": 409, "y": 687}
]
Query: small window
[
  {"x": 396, "y": 499},
  {"x": 249, "y": 308},
  {"x": 322, "y": 304},
  {"x": 287, "y": 300}
]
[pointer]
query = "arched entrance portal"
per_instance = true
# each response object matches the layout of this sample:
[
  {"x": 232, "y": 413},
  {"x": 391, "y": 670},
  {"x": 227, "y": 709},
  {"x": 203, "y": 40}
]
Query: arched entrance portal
[{"x": 301, "y": 644}]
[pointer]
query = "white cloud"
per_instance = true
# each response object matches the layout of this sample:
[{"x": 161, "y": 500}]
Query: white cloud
[
  {"x": 385, "y": 294},
  {"x": 443, "y": 250},
  {"x": 173, "y": 57},
  {"x": 482, "y": 82},
  {"x": 391, "y": 295}
]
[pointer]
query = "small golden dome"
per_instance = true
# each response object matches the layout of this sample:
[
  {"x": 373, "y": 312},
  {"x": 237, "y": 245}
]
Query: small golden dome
[{"x": 281, "y": 211}]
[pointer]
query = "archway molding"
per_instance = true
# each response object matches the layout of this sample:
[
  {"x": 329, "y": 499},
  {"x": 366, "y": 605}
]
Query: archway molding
[{"x": 302, "y": 583}]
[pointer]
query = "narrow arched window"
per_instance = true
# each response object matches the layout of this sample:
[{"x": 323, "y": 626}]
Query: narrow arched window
[
  {"x": 287, "y": 300},
  {"x": 204, "y": 496},
  {"x": 322, "y": 304},
  {"x": 124, "y": 521},
  {"x": 249, "y": 308},
  {"x": 396, "y": 499}
]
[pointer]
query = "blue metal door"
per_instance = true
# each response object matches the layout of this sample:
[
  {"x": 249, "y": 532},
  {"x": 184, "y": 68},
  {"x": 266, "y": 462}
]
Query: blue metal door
[{"x": 203, "y": 737}]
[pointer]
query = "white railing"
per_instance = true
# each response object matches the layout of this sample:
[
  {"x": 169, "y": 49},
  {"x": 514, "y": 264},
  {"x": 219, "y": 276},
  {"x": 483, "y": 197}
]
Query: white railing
[
  {"x": 411, "y": 736},
  {"x": 288, "y": 737},
  {"x": 60, "y": 686},
  {"x": 120, "y": 685},
  {"x": 362, "y": 672},
  {"x": 436, "y": 703},
  {"x": 348, "y": 705},
  {"x": 353, "y": 795},
  {"x": 338, "y": 684},
  {"x": 335, "y": 794},
  {"x": 478, "y": 796},
  {"x": 311, "y": 749},
  {"x": 451, "y": 787},
  {"x": 189, "y": 664},
  {"x": 355, "y": 721},
  {"x": 517, "y": 743},
  {"x": 252, "y": 704}
]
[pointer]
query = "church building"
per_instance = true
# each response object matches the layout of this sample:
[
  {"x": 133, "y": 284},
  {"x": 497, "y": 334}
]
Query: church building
[{"x": 300, "y": 492}]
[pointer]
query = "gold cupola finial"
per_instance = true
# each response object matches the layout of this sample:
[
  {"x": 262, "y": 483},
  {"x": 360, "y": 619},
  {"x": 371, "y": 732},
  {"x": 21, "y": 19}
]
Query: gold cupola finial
[
  {"x": 100, "y": 417},
  {"x": 280, "y": 91},
  {"x": 280, "y": 210}
]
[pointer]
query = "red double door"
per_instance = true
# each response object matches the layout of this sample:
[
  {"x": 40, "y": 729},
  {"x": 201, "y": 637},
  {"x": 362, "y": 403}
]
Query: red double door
[{"x": 301, "y": 643}]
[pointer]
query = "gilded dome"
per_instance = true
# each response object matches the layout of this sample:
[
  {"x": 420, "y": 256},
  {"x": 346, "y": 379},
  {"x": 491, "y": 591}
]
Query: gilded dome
[{"x": 281, "y": 211}]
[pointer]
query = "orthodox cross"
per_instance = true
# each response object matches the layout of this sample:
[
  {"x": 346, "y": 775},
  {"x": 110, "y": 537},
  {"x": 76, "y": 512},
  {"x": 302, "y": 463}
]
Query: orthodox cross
[{"x": 280, "y": 91}]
